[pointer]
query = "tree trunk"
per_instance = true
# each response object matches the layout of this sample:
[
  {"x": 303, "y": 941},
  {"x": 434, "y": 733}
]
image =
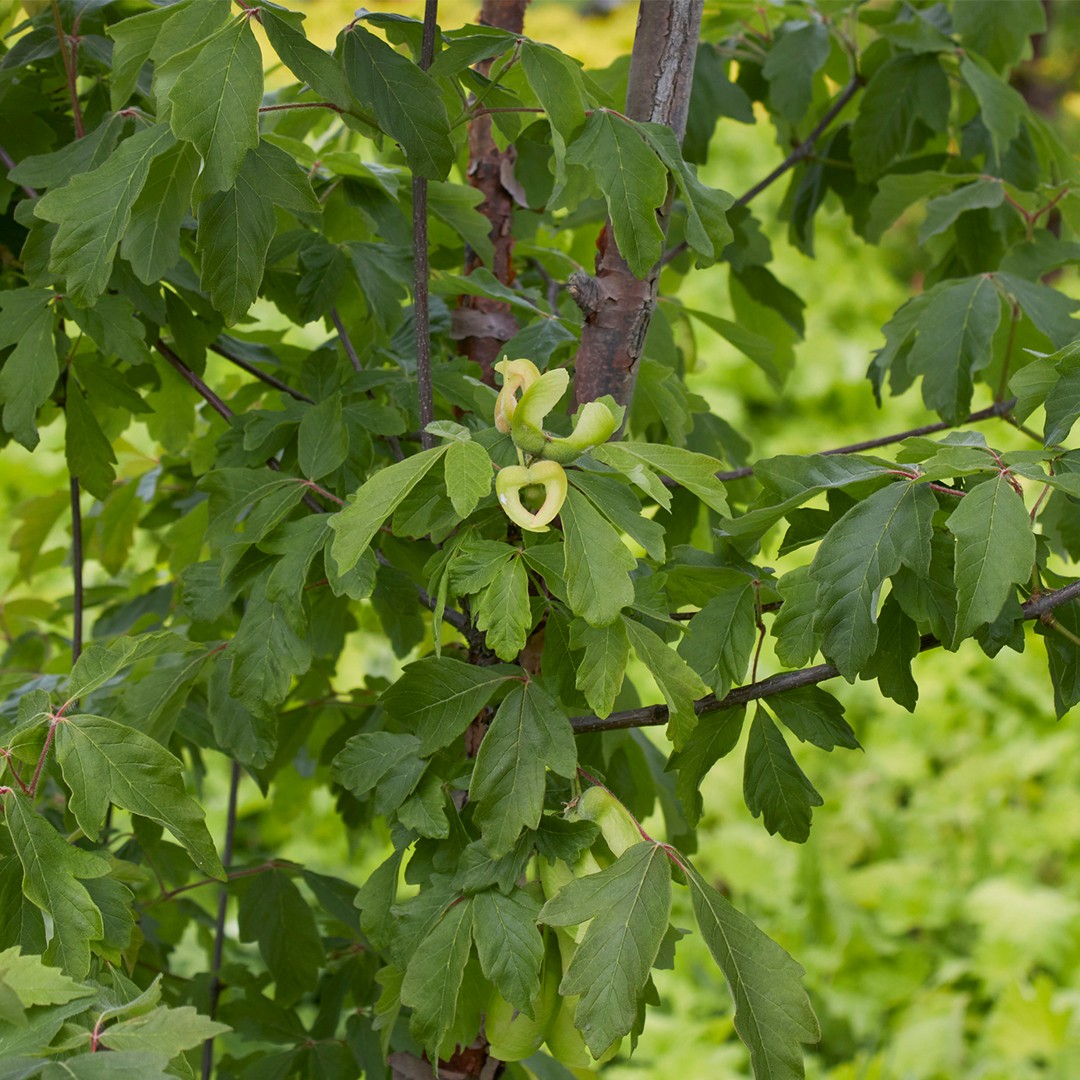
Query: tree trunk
[
  {"x": 484, "y": 325},
  {"x": 618, "y": 305}
]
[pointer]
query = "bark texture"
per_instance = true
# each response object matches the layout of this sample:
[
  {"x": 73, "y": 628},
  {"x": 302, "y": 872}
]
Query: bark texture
[
  {"x": 484, "y": 325},
  {"x": 618, "y": 306}
]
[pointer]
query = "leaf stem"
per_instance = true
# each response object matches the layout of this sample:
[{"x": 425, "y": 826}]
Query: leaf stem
[
  {"x": 251, "y": 871},
  {"x": 1036, "y": 607},
  {"x": 219, "y": 929},
  {"x": 301, "y": 105},
  {"x": 44, "y": 754},
  {"x": 70, "y": 66}
]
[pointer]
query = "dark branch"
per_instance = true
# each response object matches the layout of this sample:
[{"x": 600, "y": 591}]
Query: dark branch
[
  {"x": 193, "y": 380},
  {"x": 262, "y": 376},
  {"x": 657, "y": 715},
  {"x": 999, "y": 408},
  {"x": 424, "y": 390},
  {"x": 346, "y": 341},
  {"x": 76, "y": 572},
  {"x": 455, "y": 618},
  {"x": 219, "y": 928},
  {"x": 800, "y": 153}
]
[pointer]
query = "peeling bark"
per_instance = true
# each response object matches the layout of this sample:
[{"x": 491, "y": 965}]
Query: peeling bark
[
  {"x": 618, "y": 306},
  {"x": 484, "y": 325}
]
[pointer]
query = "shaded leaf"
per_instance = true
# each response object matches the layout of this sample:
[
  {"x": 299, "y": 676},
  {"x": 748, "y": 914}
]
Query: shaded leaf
[
  {"x": 773, "y": 1015},
  {"x": 528, "y": 735},
  {"x": 105, "y": 762}
]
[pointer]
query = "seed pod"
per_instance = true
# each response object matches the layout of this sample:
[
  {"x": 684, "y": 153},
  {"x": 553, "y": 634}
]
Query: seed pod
[
  {"x": 619, "y": 829},
  {"x": 517, "y": 375},
  {"x": 511, "y": 480}
]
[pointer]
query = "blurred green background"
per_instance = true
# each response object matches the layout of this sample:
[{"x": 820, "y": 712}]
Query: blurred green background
[{"x": 936, "y": 905}]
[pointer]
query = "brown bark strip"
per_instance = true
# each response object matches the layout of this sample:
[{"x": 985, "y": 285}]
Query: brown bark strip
[
  {"x": 484, "y": 324},
  {"x": 661, "y": 73}
]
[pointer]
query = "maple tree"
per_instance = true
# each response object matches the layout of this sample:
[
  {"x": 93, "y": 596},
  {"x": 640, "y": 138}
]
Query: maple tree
[{"x": 430, "y": 200}]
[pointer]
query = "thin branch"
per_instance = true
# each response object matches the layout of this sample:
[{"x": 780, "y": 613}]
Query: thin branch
[
  {"x": 421, "y": 270},
  {"x": 233, "y": 875},
  {"x": 1001, "y": 409},
  {"x": 346, "y": 341},
  {"x": 802, "y": 151},
  {"x": 193, "y": 380},
  {"x": 262, "y": 376},
  {"x": 219, "y": 929},
  {"x": 657, "y": 715},
  {"x": 70, "y": 70},
  {"x": 9, "y": 164},
  {"x": 76, "y": 572}
]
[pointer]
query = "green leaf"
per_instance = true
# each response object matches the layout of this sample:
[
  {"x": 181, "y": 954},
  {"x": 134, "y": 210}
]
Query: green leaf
[
  {"x": 438, "y": 697},
  {"x": 277, "y": 175},
  {"x": 306, "y": 61},
  {"x": 93, "y": 210},
  {"x": 597, "y": 563},
  {"x": 1051, "y": 311},
  {"x": 123, "y": 1065},
  {"x": 898, "y": 645},
  {"x": 459, "y": 207},
  {"x": 1000, "y": 32},
  {"x": 33, "y": 983},
  {"x": 373, "y": 503},
  {"x": 99, "y": 662},
  {"x": 890, "y": 529},
  {"x": 774, "y": 786},
  {"x": 632, "y": 180},
  {"x": 620, "y": 506},
  {"x": 943, "y": 211},
  {"x": 695, "y": 472},
  {"x": 152, "y": 241},
  {"x": 433, "y": 978},
  {"x": 905, "y": 91},
  {"x": 384, "y": 761},
  {"x": 82, "y": 155},
  {"x": 556, "y": 81},
  {"x": 322, "y": 440},
  {"x": 678, "y": 682},
  {"x": 215, "y": 104},
  {"x": 133, "y": 38},
  {"x": 600, "y": 674},
  {"x": 468, "y": 474},
  {"x": 164, "y": 1030},
  {"x": 1002, "y": 108},
  {"x": 509, "y": 944},
  {"x": 30, "y": 369},
  {"x": 720, "y": 637},
  {"x": 1063, "y": 656},
  {"x": 897, "y": 191},
  {"x": 628, "y": 904},
  {"x": 813, "y": 715},
  {"x": 88, "y": 452},
  {"x": 799, "y": 51},
  {"x": 273, "y": 913},
  {"x": 773, "y": 1015},
  {"x": 235, "y": 230},
  {"x": 714, "y": 737},
  {"x": 954, "y": 338},
  {"x": 793, "y": 627},
  {"x": 51, "y": 873},
  {"x": 529, "y": 735},
  {"x": 503, "y": 610},
  {"x": 105, "y": 762},
  {"x": 406, "y": 101},
  {"x": 270, "y": 647},
  {"x": 707, "y": 228},
  {"x": 995, "y": 550}
]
